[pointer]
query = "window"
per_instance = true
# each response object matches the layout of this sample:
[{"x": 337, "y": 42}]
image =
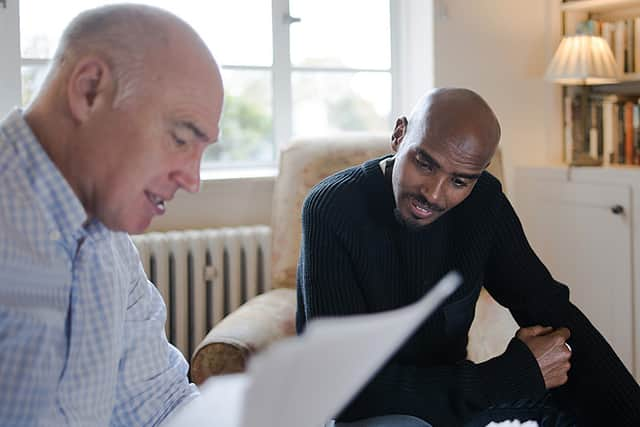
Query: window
[
  {"x": 340, "y": 66},
  {"x": 290, "y": 67}
]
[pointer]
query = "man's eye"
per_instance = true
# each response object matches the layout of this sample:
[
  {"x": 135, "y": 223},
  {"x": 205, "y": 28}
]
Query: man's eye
[
  {"x": 424, "y": 165},
  {"x": 179, "y": 142},
  {"x": 459, "y": 183}
]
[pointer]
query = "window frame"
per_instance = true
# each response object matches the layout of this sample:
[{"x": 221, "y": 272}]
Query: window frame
[{"x": 281, "y": 72}]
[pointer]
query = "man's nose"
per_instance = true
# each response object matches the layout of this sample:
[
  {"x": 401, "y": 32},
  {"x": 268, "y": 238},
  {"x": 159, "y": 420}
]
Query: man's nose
[
  {"x": 188, "y": 176},
  {"x": 434, "y": 190}
]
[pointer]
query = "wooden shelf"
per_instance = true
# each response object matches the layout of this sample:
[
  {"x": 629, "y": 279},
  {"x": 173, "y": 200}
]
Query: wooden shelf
[
  {"x": 597, "y": 5},
  {"x": 630, "y": 77}
]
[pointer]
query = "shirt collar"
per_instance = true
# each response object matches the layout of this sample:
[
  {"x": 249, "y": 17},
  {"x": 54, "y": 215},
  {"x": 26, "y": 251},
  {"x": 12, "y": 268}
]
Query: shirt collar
[{"x": 47, "y": 182}]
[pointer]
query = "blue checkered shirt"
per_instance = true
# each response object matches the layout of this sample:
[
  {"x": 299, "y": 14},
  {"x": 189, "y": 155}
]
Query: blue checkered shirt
[{"x": 82, "y": 339}]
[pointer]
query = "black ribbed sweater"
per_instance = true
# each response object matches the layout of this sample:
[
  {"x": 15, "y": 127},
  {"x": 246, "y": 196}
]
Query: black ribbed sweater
[{"x": 356, "y": 258}]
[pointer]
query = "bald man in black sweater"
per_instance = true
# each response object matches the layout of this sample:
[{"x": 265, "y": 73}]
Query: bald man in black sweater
[{"x": 378, "y": 236}]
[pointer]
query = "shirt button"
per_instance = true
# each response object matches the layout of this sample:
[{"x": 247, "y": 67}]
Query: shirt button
[{"x": 54, "y": 235}]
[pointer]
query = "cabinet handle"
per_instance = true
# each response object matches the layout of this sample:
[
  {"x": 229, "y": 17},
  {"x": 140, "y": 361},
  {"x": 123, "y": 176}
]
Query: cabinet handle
[{"x": 617, "y": 209}]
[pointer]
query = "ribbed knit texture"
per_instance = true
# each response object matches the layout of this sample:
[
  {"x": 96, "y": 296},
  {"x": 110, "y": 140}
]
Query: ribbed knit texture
[{"x": 356, "y": 258}]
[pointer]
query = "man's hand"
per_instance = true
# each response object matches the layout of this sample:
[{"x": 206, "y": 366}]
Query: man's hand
[{"x": 549, "y": 349}]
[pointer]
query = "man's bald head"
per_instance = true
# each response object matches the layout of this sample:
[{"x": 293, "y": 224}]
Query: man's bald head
[
  {"x": 131, "y": 38},
  {"x": 441, "y": 152},
  {"x": 131, "y": 102},
  {"x": 451, "y": 114}
]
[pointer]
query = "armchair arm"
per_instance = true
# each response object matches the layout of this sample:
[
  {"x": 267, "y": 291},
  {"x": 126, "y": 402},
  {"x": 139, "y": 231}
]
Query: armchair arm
[
  {"x": 251, "y": 328},
  {"x": 491, "y": 330}
]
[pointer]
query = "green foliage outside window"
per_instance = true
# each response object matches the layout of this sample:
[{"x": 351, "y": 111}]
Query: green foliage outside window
[{"x": 246, "y": 132}]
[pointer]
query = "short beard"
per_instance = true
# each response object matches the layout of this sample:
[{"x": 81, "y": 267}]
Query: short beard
[{"x": 410, "y": 225}]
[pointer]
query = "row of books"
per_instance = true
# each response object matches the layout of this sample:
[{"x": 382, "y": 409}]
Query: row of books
[
  {"x": 604, "y": 130},
  {"x": 623, "y": 37}
]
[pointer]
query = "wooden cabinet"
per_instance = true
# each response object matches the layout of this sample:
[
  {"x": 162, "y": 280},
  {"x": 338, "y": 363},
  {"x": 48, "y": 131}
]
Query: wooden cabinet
[{"x": 583, "y": 225}]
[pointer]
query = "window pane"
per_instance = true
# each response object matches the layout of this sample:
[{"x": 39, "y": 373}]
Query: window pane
[
  {"x": 32, "y": 78},
  {"x": 246, "y": 127},
  {"x": 338, "y": 33},
  {"x": 238, "y": 32},
  {"x": 326, "y": 102},
  {"x": 42, "y": 23},
  {"x": 223, "y": 24}
]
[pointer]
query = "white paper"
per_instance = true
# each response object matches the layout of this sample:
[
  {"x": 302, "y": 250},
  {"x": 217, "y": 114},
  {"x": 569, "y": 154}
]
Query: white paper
[
  {"x": 220, "y": 404},
  {"x": 305, "y": 381}
]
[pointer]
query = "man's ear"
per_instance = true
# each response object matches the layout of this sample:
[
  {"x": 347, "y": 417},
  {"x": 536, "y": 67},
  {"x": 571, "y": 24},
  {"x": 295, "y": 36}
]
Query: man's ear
[
  {"x": 90, "y": 86},
  {"x": 398, "y": 133}
]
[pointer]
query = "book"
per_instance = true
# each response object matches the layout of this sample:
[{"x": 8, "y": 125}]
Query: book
[
  {"x": 615, "y": 158},
  {"x": 299, "y": 381},
  {"x": 629, "y": 47},
  {"x": 568, "y": 130},
  {"x": 621, "y": 139},
  {"x": 608, "y": 30},
  {"x": 598, "y": 126},
  {"x": 636, "y": 134},
  {"x": 580, "y": 127},
  {"x": 594, "y": 130},
  {"x": 628, "y": 133},
  {"x": 609, "y": 129},
  {"x": 619, "y": 48},
  {"x": 636, "y": 45}
]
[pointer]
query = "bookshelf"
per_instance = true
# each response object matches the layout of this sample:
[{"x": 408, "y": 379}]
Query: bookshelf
[
  {"x": 597, "y": 5},
  {"x": 601, "y": 123}
]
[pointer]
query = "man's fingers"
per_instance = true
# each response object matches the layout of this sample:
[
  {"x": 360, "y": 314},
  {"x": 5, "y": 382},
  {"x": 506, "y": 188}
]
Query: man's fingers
[
  {"x": 560, "y": 337},
  {"x": 549, "y": 347},
  {"x": 557, "y": 376},
  {"x": 559, "y": 369},
  {"x": 556, "y": 381},
  {"x": 540, "y": 330},
  {"x": 533, "y": 331},
  {"x": 563, "y": 332}
]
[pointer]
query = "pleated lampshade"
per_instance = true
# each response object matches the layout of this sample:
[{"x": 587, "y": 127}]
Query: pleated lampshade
[{"x": 583, "y": 60}]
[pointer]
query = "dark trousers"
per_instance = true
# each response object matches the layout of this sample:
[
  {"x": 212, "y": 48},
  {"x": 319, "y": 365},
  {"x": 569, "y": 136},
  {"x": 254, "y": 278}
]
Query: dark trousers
[
  {"x": 543, "y": 411},
  {"x": 386, "y": 421}
]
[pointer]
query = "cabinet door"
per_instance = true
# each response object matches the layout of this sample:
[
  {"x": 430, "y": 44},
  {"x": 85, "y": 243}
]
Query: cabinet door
[{"x": 582, "y": 233}]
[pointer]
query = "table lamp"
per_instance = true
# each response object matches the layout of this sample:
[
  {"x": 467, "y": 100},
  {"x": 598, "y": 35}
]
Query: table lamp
[{"x": 581, "y": 60}]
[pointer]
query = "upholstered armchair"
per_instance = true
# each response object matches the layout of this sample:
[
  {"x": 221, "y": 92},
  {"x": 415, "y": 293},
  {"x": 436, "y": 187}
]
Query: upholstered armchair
[{"x": 271, "y": 316}]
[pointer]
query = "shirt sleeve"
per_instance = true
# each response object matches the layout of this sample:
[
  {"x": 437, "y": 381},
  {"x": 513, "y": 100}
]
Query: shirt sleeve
[
  {"x": 442, "y": 395},
  {"x": 599, "y": 386},
  {"x": 152, "y": 374}
]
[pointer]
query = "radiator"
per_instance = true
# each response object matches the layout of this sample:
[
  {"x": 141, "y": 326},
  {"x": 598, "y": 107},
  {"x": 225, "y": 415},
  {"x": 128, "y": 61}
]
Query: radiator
[{"x": 204, "y": 275}]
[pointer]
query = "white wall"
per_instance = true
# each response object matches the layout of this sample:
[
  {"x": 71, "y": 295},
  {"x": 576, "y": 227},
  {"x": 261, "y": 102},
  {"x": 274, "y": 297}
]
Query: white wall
[
  {"x": 500, "y": 48},
  {"x": 10, "y": 56},
  {"x": 221, "y": 202}
]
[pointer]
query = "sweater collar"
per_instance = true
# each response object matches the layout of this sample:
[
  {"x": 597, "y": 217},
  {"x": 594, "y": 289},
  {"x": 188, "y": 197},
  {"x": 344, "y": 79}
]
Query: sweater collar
[{"x": 380, "y": 193}]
